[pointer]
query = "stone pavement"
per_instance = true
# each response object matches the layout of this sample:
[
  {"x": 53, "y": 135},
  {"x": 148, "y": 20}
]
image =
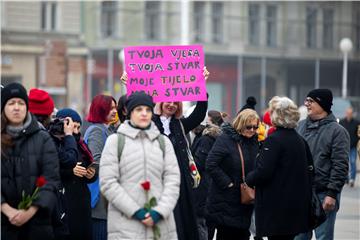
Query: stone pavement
[{"x": 347, "y": 226}]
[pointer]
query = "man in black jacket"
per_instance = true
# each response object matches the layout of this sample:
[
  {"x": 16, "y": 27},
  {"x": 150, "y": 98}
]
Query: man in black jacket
[
  {"x": 329, "y": 144},
  {"x": 351, "y": 125}
]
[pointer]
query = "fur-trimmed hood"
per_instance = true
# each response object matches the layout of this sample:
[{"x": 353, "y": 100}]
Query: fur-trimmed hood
[{"x": 212, "y": 130}]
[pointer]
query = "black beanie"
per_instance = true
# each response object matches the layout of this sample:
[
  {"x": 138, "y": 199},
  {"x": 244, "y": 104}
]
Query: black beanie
[
  {"x": 323, "y": 97},
  {"x": 13, "y": 90},
  {"x": 138, "y": 99}
]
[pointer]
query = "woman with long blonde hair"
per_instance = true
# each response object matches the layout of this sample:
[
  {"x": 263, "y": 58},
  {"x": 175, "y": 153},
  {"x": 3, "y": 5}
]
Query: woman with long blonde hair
[{"x": 169, "y": 119}]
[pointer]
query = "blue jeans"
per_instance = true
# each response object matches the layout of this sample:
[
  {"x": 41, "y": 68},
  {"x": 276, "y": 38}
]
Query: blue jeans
[
  {"x": 326, "y": 230},
  {"x": 352, "y": 162}
]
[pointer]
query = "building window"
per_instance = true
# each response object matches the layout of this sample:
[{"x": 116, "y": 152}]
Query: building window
[
  {"x": 199, "y": 21},
  {"x": 254, "y": 20},
  {"x": 271, "y": 14},
  {"x": 217, "y": 21},
  {"x": 328, "y": 28},
  {"x": 108, "y": 18},
  {"x": 311, "y": 22},
  {"x": 152, "y": 20},
  {"x": 49, "y": 16}
]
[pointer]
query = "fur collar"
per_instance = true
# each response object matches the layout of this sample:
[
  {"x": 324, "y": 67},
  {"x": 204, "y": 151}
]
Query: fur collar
[{"x": 212, "y": 131}]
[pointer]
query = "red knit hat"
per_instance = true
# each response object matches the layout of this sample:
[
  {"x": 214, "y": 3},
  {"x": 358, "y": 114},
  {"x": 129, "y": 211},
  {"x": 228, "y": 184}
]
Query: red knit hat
[{"x": 40, "y": 102}]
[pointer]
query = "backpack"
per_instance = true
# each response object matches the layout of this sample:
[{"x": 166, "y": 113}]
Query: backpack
[{"x": 121, "y": 143}]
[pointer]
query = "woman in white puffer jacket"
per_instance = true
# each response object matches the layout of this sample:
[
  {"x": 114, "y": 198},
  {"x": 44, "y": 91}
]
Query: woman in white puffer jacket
[{"x": 145, "y": 160}]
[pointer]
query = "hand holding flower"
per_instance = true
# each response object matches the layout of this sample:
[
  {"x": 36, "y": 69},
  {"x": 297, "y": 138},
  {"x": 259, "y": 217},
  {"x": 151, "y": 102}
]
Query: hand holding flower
[
  {"x": 9, "y": 211},
  {"x": 23, "y": 216},
  {"x": 151, "y": 217},
  {"x": 140, "y": 214},
  {"x": 148, "y": 221},
  {"x": 27, "y": 201}
]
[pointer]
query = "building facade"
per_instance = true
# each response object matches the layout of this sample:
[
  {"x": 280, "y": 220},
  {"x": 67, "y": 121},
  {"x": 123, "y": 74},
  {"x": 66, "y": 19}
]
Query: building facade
[
  {"x": 71, "y": 49},
  {"x": 42, "y": 46},
  {"x": 252, "y": 48}
]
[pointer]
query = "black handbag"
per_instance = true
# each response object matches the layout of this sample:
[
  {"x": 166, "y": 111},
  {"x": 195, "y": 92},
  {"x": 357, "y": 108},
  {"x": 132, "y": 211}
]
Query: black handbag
[{"x": 317, "y": 213}]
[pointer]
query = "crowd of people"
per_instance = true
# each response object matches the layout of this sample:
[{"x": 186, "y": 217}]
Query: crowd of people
[{"x": 136, "y": 173}]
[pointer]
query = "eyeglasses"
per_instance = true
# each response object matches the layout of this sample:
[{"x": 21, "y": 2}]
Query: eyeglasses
[
  {"x": 308, "y": 101},
  {"x": 249, "y": 127}
]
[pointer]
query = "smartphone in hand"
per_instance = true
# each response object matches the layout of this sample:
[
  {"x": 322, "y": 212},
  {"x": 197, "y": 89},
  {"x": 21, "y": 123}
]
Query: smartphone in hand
[{"x": 94, "y": 165}]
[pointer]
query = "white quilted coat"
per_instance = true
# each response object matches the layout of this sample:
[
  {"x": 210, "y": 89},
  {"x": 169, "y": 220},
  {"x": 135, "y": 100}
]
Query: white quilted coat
[{"x": 120, "y": 182}]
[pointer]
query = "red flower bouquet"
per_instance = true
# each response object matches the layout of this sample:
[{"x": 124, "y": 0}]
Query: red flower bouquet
[{"x": 26, "y": 201}]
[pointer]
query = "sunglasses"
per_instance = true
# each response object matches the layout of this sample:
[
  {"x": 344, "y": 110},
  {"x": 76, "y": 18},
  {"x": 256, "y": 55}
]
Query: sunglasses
[{"x": 249, "y": 127}]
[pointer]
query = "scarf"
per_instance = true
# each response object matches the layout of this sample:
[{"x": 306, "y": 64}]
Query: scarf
[
  {"x": 15, "y": 131},
  {"x": 85, "y": 152}
]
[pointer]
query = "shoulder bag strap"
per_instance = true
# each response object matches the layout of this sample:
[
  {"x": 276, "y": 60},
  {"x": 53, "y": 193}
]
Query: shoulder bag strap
[
  {"x": 121, "y": 143},
  {"x": 183, "y": 131},
  {"x": 242, "y": 163},
  {"x": 162, "y": 143}
]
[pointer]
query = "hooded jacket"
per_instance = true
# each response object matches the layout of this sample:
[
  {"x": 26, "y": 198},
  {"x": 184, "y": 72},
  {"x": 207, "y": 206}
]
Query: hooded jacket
[
  {"x": 120, "y": 180},
  {"x": 329, "y": 144},
  {"x": 33, "y": 155}
]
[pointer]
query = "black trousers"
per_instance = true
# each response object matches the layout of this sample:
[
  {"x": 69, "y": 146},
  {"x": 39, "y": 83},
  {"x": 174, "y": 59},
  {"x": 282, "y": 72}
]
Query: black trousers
[
  {"x": 230, "y": 233},
  {"x": 282, "y": 237}
]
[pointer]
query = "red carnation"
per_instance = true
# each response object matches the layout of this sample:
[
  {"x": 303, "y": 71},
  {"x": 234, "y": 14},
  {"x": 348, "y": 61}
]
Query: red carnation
[
  {"x": 40, "y": 181},
  {"x": 146, "y": 185}
]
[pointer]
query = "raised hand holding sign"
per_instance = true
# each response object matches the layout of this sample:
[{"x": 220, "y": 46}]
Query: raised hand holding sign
[{"x": 167, "y": 73}]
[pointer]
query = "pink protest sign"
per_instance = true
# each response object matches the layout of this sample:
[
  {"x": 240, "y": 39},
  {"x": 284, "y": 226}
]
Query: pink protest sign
[{"x": 167, "y": 73}]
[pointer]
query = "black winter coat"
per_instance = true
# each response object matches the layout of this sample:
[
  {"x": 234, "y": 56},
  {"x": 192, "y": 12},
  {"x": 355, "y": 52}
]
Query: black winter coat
[
  {"x": 223, "y": 164},
  {"x": 67, "y": 151},
  {"x": 200, "y": 151},
  {"x": 283, "y": 186},
  {"x": 352, "y": 128},
  {"x": 184, "y": 211},
  {"x": 78, "y": 200},
  {"x": 77, "y": 194},
  {"x": 33, "y": 155}
]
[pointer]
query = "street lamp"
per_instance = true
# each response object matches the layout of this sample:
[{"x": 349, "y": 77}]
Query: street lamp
[{"x": 345, "y": 47}]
